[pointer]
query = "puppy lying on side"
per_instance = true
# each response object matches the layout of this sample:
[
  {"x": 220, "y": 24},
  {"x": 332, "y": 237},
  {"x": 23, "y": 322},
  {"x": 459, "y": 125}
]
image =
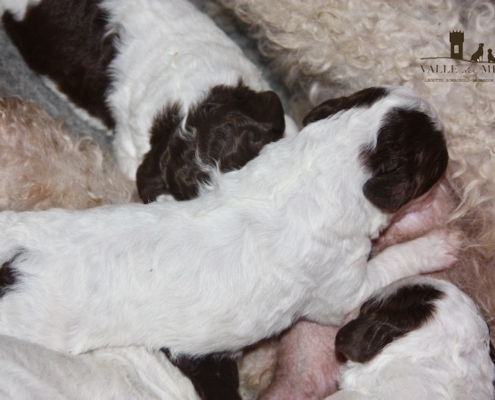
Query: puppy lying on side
[
  {"x": 286, "y": 237},
  {"x": 419, "y": 338},
  {"x": 180, "y": 96}
]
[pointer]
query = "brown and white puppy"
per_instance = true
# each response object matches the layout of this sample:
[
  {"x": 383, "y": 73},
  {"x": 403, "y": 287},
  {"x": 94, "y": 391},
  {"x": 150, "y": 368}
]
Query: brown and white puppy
[
  {"x": 306, "y": 364},
  {"x": 420, "y": 338},
  {"x": 286, "y": 237},
  {"x": 175, "y": 90}
]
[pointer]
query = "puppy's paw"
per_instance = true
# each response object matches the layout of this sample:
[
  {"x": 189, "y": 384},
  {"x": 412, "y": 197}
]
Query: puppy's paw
[{"x": 442, "y": 247}]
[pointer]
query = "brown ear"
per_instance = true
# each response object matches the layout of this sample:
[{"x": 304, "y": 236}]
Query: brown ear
[
  {"x": 266, "y": 107},
  {"x": 391, "y": 190},
  {"x": 410, "y": 156},
  {"x": 150, "y": 176},
  {"x": 364, "y": 98},
  {"x": 362, "y": 339},
  {"x": 324, "y": 110},
  {"x": 380, "y": 322}
]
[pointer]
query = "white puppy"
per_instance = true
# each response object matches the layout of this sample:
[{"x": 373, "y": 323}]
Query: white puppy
[
  {"x": 288, "y": 236},
  {"x": 177, "y": 92},
  {"x": 418, "y": 339},
  {"x": 30, "y": 371}
]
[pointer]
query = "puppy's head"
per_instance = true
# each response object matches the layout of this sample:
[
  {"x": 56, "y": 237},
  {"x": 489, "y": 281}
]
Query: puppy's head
[
  {"x": 225, "y": 130},
  {"x": 408, "y": 153},
  {"x": 384, "y": 319}
]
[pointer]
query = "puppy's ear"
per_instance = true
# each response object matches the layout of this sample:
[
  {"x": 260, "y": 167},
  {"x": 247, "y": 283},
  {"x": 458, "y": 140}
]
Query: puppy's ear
[
  {"x": 324, "y": 110},
  {"x": 410, "y": 156},
  {"x": 364, "y": 98},
  {"x": 233, "y": 123},
  {"x": 391, "y": 190},
  {"x": 380, "y": 322},
  {"x": 150, "y": 176},
  {"x": 362, "y": 339},
  {"x": 266, "y": 108},
  {"x": 255, "y": 122}
]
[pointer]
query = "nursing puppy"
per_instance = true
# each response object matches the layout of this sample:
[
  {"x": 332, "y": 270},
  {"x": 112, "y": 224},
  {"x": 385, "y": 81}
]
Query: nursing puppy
[
  {"x": 286, "y": 237},
  {"x": 419, "y": 338},
  {"x": 179, "y": 95}
]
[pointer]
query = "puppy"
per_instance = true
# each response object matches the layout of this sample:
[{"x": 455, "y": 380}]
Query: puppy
[
  {"x": 286, "y": 237},
  {"x": 180, "y": 96},
  {"x": 30, "y": 371},
  {"x": 419, "y": 338}
]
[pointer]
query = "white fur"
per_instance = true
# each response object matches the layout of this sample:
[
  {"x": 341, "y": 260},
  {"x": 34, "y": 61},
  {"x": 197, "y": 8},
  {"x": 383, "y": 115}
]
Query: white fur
[
  {"x": 287, "y": 236},
  {"x": 17, "y": 7},
  {"x": 29, "y": 371},
  {"x": 446, "y": 359}
]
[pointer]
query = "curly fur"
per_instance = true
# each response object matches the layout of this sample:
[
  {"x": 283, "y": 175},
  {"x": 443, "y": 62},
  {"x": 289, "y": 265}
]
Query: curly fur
[{"x": 43, "y": 166}]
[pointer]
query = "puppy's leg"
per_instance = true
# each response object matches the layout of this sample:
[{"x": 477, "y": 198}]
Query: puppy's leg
[
  {"x": 307, "y": 364},
  {"x": 429, "y": 253}
]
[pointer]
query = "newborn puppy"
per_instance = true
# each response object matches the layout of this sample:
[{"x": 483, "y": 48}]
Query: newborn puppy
[
  {"x": 419, "y": 338},
  {"x": 286, "y": 237},
  {"x": 179, "y": 95}
]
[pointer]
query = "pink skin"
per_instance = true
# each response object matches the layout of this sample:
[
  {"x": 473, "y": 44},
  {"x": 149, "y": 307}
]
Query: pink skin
[
  {"x": 307, "y": 365},
  {"x": 424, "y": 214}
]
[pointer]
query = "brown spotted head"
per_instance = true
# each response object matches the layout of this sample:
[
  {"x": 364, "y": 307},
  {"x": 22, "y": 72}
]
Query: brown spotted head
[
  {"x": 383, "y": 319},
  {"x": 405, "y": 153},
  {"x": 224, "y": 131}
]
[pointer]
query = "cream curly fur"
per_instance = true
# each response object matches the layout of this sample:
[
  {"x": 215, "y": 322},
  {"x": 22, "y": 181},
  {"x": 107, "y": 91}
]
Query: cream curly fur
[
  {"x": 332, "y": 48},
  {"x": 43, "y": 167}
]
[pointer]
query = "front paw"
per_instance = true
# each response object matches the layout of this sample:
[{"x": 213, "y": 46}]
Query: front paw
[{"x": 442, "y": 247}]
